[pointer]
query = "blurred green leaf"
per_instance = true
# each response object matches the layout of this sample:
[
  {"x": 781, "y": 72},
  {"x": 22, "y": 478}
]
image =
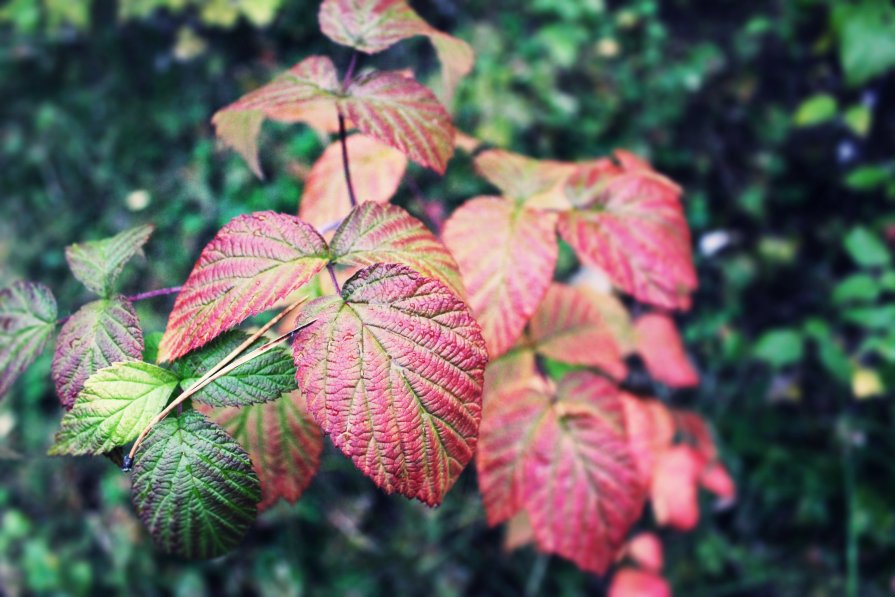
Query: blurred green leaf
[
  {"x": 868, "y": 178},
  {"x": 859, "y": 118},
  {"x": 857, "y": 287},
  {"x": 816, "y": 109},
  {"x": 866, "y": 31},
  {"x": 866, "y": 248},
  {"x": 779, "y": 347}
]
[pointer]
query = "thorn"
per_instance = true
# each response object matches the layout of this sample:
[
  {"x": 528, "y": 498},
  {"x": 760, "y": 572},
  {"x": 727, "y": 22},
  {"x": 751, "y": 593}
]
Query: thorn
[{"x": 127, "y": 464}]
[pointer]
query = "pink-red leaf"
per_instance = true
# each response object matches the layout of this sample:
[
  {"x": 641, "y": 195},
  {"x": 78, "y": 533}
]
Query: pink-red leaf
[
  {"x": 629, "y": 582},
  {"x": 282, "y": 440},
  {"x": 252, "y": 263},
  {"x": 569, "y": 326},
  {"x": 393, "y": 370},
  {"x": 372, "y": 26},
  {"x": 506, "y": 255},
  {"x": 646, "y": 551},
  {"x": 651, "y": 431},
  {"x": 634, "y": 229},
  {"x": 663, "y": 352},
  {"x": 388, "y": 234},
  {"x": 99, "y": 334},
  {"x": 538, "y": 183},
  {"x": 674, "y": 491},
  {"x": 376, "y": 172}
]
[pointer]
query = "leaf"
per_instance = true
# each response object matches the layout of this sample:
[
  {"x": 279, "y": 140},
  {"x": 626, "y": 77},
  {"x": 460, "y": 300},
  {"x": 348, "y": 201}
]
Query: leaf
[
  {"x": 252, "y": 263},
  {"x": 97, "y": 264},
  {"x": 194, "y": 487},
  {"x": 27, "y": 318},
  {"x": 372, "y": 26},
  {"x": 376, "y": 172},
  {"x": 518, "y": 532},
  {"x": 779, "y": 348},
  {"x": 663, "y": 352},
  {"x": 390, "y": 107},
  {"x": 506, "y": 255},
  {"x": 646, "y": 551},
  {"x": 393, "y": 371},
  {"x": 866, "y": 31},
  {"x": 387, "y": 234},
  {"x": 629, "y": 582},
  {"x": 117, "y": 402},
  {"x": 817, "y": 109},
  {"x": 866, "y": 248},
  {"x": 263, "y": 379},
  {"x": 538, "y": 183},
  {"x": 582, "y": 492},
  {"x": 634, "y": 229},
  {"x": 651, "y": 430},
  {"x": 515, "y": 367},
  {"x": 97, "y": 335},
  {"x": 569, "y": 326},
  {"x": 674, "y": 492},
  {"x": 283, "y": 441}
]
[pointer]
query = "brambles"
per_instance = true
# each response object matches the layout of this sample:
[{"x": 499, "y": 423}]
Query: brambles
[{"x": 390, "y": 349}]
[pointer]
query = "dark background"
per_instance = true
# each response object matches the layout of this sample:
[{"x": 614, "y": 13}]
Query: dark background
[{"x": 778, "y": 119}]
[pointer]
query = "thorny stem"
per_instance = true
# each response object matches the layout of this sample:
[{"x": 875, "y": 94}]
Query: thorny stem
[
  {"x": 223, "y": 367},
  {"x": 345, "y": 167},
  {"x": 332, "y": 276}
]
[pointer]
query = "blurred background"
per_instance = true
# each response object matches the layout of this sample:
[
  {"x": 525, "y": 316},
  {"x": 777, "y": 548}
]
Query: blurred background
[{"x": 778, "y": 119}]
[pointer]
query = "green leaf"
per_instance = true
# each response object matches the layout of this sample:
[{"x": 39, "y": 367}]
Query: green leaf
[
  {"x": 857, "y": 287},
  {"x": 816, "y": 110},
  {"x": 779, "y": 347},
  {"x": 829, "y": 350},
  {"x": 866, "y": 32},
  {"x": 868, "y": 178},
  {"x": 97, "y": 264},
  {"x": 194, "y": 487},
  {"x": 117, "y": 402},
  {"x": 866, "y": 248},
  {"x": 859, "y": 118},
  {"x": 262, "y": 379},
  {"x": 27, "y": 318},
  {"x": 878, "y": 318}
]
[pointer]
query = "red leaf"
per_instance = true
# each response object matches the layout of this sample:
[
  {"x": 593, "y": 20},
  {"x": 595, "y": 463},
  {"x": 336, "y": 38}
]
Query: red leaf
[
  {"x": 539, "y": 183},
  {"x": 387, "y": 234},
  {"x": 282, "y": 440},
  {"x": 646, "y": 551},
  {"x": 372, "y": 26},
  {"x": 518, "y": 532},
  {"x": 506, "y": 255},
  {"x": 99, "y": 334},
  {"x": 634, "y": 229},
  {"x": 629, "y": 582},
  {"x": 376, "y": 172},
  {"x": 674, "y": 491},
  {"x": 393, "y": 371},
  {"x": 582, "y": 491},
  {"x": 663, "y": 352},
  {"x": 514, "y": 369},
  {"x": 569, "y": 326},
  {"x": 252, "y": 263},
  {"x": 650, "y": 432},
  {"x": 716, "y": 479},
  {"x": 403, "y": 114},
  {"x": 696, "y": 432}
]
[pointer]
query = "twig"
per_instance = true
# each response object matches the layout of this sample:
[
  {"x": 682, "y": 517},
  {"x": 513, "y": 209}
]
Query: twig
[
  {"x": 154, "y": 293},
  {"x": 343, "y": 140}
]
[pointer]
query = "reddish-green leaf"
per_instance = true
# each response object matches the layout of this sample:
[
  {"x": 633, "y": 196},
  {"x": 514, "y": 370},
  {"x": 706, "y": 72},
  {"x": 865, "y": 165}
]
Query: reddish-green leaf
[
  {"x": 514, "y": 368},
  {"x": 376, "y": 172},
  {"x": 582, "y": 491},
  {"x": 372, "y": 26},
  {"x": 391, "y": 107},
  {"x": 539, "y": 183},
  {"x": 252, "y": 263},
  {"x": 393, "y": 369},
  {"x": 99, "y": 334},
  {"x": 27, "y": 318},
  {"x": 662, "y": 349},
  {"x": 506, "y": 255},
  {"x": 634, "y": 229},
  {"x": 97, "y": 264},
  {"x": 282, "y": 440},
  {"x": 387, "y": 234},
  {"x": 569, "y": 326}
]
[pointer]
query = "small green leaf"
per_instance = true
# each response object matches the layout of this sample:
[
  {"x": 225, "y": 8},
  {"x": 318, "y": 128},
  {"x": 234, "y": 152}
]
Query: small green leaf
[
  {"x": 866, "y": 31},
  {"x": 857, "y": 287},
  {"x": 877, "y": 318},
  {"x": 868, "y": 178},
  {"x": 27, "y": 318},
  {"x": 262, "y": 379},
  {"x": 887, "y": 281},
  {"x": 859, "y": 118},
  {"x": 97, "y": 264},
  {"x": 194, "y": 487},
  {"x": 816, "y": 110},
  {"x": 117, "y": 402},
  {"x": 779, "y": 347},
  {"x": 866, "y": 248}
]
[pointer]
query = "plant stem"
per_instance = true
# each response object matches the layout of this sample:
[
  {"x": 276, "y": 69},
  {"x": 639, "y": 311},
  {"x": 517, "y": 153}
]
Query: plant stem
[
  {"x": 343, "y": 140},
  {"x": 349, "y": 74},
  {"x": 223, "y": 367},
  {"x": 154, "y": 293},
  {"x": 332, "y": 276}
]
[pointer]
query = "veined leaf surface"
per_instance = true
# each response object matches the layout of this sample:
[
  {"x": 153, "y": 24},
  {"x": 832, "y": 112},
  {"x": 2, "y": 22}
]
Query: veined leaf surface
[
  {"x": 27, "y": 318},
  {"x": 97, "y": 264},
  {"x": 283, "y": 441},
  {"x": 376, "y": 172},
  {"x": 393, "y": 370},
  {"x": 388, "y": 234},
  {"x": 117, "y": 402},
  {"x": 97, "y": 335},
  {"x": 538, "y": 183},
  {"x": 506, "y": 256},
  {"x": 252, "y": 263},
  {"x": 194, "y": 487}
]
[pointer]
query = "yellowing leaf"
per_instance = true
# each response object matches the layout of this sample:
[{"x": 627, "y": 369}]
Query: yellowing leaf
[{"x": 538, "y": 183}]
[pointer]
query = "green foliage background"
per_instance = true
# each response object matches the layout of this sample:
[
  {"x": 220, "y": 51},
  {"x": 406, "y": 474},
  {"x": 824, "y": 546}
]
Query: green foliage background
[{"x": 778, "y": 118}]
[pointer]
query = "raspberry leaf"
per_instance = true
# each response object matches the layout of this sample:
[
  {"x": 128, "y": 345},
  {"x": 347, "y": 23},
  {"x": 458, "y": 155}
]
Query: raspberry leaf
[
  {"x": 97, "y": 264},
  {"x": 27, "y": 318},
  {"x": 663, "y": 352}
]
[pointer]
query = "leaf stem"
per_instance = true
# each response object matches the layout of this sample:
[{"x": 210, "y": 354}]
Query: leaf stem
[
  {"x": 154, "y": 293},
  {"x": 223, "y": 367},
  {"x": 332, "y": 276},
  {"x": 349, "y": 74},
  {"x": 343, "y": 140}
]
